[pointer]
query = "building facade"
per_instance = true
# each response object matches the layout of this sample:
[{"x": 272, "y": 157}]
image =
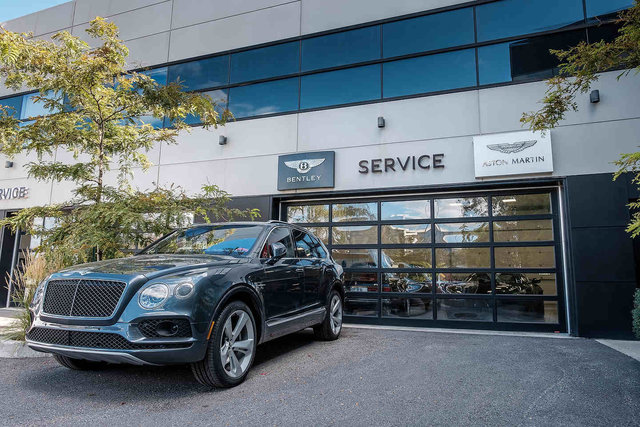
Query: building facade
[{"x": 392, "y": 130}]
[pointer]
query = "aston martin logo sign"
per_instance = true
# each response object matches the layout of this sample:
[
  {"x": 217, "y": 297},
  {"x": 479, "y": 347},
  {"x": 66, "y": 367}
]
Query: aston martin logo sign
[
  {"x": 514, "y": 153},
  {"x": 306, "y": 170}
]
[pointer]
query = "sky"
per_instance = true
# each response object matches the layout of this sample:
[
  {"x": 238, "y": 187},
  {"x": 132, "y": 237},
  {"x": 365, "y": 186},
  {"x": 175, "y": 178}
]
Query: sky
[{"x": 10, "y": 9}]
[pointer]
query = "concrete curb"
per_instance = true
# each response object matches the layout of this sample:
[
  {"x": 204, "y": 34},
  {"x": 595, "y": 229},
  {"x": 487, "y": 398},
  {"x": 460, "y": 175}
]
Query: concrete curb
[
  {"x": 630, "y": 348},
  {"x": 18, "y": 350}
]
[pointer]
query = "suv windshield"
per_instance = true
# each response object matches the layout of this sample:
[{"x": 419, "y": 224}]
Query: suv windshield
[{"x": 232, "y": 240}]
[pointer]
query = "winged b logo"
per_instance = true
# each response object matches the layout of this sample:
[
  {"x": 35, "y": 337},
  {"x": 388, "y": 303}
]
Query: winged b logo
[
  {"x": 513, "y": 147},
  {"x": 304, "y": 166}
]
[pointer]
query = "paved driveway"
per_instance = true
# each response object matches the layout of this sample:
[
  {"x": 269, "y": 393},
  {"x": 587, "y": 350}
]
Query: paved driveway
[{"x": 368, "y": 377}]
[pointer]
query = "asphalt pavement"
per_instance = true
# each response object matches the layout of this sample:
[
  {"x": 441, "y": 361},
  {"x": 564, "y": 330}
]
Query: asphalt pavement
[{"x": 367, "y": 377}]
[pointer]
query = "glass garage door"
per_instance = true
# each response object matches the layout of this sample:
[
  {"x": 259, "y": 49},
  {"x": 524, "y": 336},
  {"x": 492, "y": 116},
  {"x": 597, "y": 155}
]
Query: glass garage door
[{"x": 489, "y": 260}]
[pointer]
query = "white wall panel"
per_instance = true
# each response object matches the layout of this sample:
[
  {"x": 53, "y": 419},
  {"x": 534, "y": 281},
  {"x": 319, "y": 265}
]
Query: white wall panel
[
  {"x": 146, "y": 51},
  {"x": 38, "y": 193},
  {"x": 54, "y": 18},
  {"x": 189, "y": 12},
  {"x": 86, "y": 10}
]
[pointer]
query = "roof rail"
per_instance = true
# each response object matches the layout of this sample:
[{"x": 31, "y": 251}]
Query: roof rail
[{"x": 275, "y": 221}]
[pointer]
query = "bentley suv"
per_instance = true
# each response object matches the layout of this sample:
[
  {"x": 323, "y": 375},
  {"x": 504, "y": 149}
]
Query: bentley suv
[{"x": 205, "y": 295}]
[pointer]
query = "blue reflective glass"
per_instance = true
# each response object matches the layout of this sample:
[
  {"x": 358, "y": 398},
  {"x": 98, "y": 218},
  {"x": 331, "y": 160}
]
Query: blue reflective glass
[
  {"x": 264, "y": 98},
  {"x": 13, "y": 104},
  {"x": 343, "y": 48},
  {"x": 340, "y": 87},
  {"x": 219, "y": 96},
  {"x": 157, "y": 74},
  {"x": 524, "y": 59},
  {"x": 429, "y": 32},
  {"x": 509, "y": 18},
  {"x": 606, "y": 7},
  {"x": 202, "y": 74},
  {"x": 153, "y": 121},
  {"x": 444, "y": 71},
  {"x": 265, "y": 62},
  {"x": 32, "y": 108}
]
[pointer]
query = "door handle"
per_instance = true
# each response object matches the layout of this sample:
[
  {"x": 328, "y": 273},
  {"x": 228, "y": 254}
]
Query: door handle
[{"x": 299, "y": 270}]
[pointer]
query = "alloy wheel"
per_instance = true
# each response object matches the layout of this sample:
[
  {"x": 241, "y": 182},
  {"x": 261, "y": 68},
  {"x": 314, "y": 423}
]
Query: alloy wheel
[
  {"x": 237, "y": 343},
  {"x": 335, "y": 314}
]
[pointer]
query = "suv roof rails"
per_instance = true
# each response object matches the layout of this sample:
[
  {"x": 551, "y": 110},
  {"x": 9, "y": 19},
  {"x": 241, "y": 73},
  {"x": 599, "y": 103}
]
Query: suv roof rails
[{"x": 275, "y": 221}]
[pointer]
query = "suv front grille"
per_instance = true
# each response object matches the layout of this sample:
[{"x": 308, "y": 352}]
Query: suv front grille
[
  {"x": 82, "y": 297},
  {"x": 93, "y": 340}
]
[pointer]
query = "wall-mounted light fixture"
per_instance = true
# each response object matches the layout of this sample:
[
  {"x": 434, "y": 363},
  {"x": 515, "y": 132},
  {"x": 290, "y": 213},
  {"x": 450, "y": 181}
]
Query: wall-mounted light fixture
[
  {"x": 594, "y": 96},
  {"x": 8, "y": 164},
  {"x": 381, "y": 122},
  {"x": 222, "y": 140}
]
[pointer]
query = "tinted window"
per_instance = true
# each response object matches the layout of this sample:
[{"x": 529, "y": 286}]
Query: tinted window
[
  {"x": 265, "y": 62},
  {"x": 340, "y": 87},
  {"x": 429, "y": 32},
  {"x": 33, "y": 108},
  {"x": 606, "y": 7},
  {"x": 510, "y": 18},
  {"x": 264, "y": 98},
  {"x": 307, "y": 246},
  {"x": 355, "y": 212},
  {"x": 158, "y": 74},
  {"x": 281, "y": 235},
  {"x": 406, "y": 209},
  {"x": 431, "y": 73},
  {"x": 461, "y": 207},
  {"x": 524, "y": 59},
  {"x": 341, "y": 48},
  {"x": 201, "y": 74},
  {"x": 219, "y": 96},
  {"x": 608, "y": 33},
  {"x": 233, "y": 240},
  {"x": 13, "y": 105}
]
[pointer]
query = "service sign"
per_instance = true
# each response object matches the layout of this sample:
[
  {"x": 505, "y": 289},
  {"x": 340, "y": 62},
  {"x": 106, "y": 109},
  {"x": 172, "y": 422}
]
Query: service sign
[
  {"x": 306, "y": 170},
  {"x": 514, "y": 153}
]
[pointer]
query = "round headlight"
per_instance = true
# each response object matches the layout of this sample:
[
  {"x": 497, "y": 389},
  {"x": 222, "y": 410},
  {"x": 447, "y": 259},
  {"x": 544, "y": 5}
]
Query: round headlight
[
  {"x": 183, "y": 290},
  {"x": 153, "y": 296}
]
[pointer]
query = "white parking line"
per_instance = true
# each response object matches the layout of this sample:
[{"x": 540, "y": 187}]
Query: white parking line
[{"x": 460, "y": 331}]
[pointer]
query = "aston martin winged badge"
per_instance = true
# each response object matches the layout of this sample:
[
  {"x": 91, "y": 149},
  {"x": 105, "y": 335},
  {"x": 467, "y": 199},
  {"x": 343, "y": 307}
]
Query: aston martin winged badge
[
  {"x": 304, "y": 166},
  {"x": 513, "y": 147}
]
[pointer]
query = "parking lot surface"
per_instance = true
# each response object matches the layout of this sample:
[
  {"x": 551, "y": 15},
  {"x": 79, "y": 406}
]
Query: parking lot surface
[{"x": 367, "y": 377}]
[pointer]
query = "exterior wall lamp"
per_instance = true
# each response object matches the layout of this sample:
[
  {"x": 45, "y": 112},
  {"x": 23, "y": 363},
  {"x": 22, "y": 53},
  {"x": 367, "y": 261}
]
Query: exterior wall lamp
[
  {"x": 381, "y": 122},
  {"x": 594, "y": 96},
  {"x": 8, "y": 164},
  {"x": 222, "y": 140}
]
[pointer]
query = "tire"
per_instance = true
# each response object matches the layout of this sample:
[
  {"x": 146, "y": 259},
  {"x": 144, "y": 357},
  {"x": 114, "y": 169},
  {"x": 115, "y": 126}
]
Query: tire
[
  {"x": 78, "y": 364},
  {"x": 331, "y": 326},
  {"x": 213, "y": 371}
]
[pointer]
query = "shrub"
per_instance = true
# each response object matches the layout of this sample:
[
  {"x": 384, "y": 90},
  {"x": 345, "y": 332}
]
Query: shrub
[{"x": 636, "y": 314}]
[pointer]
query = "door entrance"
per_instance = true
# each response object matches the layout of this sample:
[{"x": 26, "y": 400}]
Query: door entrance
[{"x": 13, "y": 249}]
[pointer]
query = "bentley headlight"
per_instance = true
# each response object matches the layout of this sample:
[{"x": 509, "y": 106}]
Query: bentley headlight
[
  {"x": 37, "y": 295},
  {"x": 153, "y": 296}
]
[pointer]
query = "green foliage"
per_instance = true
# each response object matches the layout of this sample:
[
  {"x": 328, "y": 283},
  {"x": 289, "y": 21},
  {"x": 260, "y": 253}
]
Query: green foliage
[{"x": 636, "y": 314}]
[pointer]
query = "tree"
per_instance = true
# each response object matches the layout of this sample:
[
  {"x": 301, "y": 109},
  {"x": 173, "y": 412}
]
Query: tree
[
  {"x": 578, "y": 71},
  {"x": 100, "y": 113}
]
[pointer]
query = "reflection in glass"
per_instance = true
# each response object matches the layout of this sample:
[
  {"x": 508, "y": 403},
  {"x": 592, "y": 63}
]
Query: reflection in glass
[
  {"x": 308, "y": 213},
  {"x": 406, "y": 282},
  {"x": 355, "y": 212},
  {"x": 463, "y": 258},
  {"x": 321, "y": 233},
  {"x": 13, "y": 105},
  {"x": 532, "y": 311},
  {"x": 219, "y": 96},
  {"x": 201, "y": 74},
  {"x": 355, "y": 235},
  {"x": 526, "y": 283},
  {"x": 361, "y": 307},
  {"x": 522, "y": 204},
  {"x": 31, "y": 108},
  {"x": 356, "y": 258},
  {"x": 465, "y": 309},
  {"x": 360, "y": 282},
  {"x": 406, "y": 258},
  {"x": 463, "y": 232},
  {"x": 406, "y": 233},
  {"x": 522, "y": 231},
  {"x": 461, "y": 207},
  {"x": 525, "y": 257},
  {"x": 264, "y": 98},
  {"x": 265, "y": 62},
  {"x": 416, "y": 308},
  {"x": 347, "y": 47},
  {"x": 340, "y": 87},
  {"x": 463, "y": 283},
  {"x": 406, "y": 209}
]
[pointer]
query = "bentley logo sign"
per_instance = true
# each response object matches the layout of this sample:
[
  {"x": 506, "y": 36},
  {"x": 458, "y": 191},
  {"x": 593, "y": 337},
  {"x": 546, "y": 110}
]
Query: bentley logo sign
[
  {"x": 306, "y": 170},
  {"x": 514, "y": 153}
]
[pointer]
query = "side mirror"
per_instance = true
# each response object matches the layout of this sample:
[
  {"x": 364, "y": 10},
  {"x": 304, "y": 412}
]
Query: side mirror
[{"x": 278, "y": 250}]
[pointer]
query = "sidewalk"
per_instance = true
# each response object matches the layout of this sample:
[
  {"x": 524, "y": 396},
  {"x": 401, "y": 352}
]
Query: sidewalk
[{"x": 13, "y": 349}]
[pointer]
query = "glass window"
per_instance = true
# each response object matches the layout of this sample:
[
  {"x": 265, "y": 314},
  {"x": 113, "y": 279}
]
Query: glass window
[
  {"x": 406, "y": 282},
  {"x": 524, "y": 59},
  {"x": 281, "y": 235},
  {"x": 306, "y": 246},
  {"x": 361, "y": 282},
  {"x": 510, "y": 18},
  {"x": 522, "y": 204},
  {"x": 463, "y": 258},
  {"x": 406, "y": 209},
  {"x": 463, "y": 232},
  {"x": 340, "y": 87},
  {"x": 355, "y": 235},
  {"x": 406, "y": 258},
  {"x": 201, "y": 74},
  {"x": 321, "y": 233},
  {"x": 522, "y": 231},
  {"x": 355, "y": 212},
  {"x": 403, "y": 307},
  {"x": 461, "y": 207},
  {"x": 406, "y": 233},
  {"x": 608, "y": 32},
  {"x": 159, "y": 75},
  {"x": 156, "y": 122},
  {"x": 602, "y": 8},
  {"x": 361, "y": 307},
  {"x": 32, "y": 108},
  {"x": 465, "y": 309},
  {"x": 463, "y": 283},
  {"x": 526, "y": 283},
  {"x": 429, "y": 32},
  {"x": 531, "y": 311},
  {"x": 432, "y": 73},
  {"x": 264, "y": 98},
  {"x": 219, "y": 96},
  {"x": 13, "y": 105},
  {"x": 308, "y": 213},
  {"x": 271, "y": 61},
  {"x": 525, "y": 257},
  {"x": 347, "y": 47},
  {"x": 356, "y": 258}
]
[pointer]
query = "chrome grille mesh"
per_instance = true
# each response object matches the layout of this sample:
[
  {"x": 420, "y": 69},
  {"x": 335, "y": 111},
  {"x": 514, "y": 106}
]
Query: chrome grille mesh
[
  {"x": 82, "y": 297},
  {"x": 93, "y": 340}
]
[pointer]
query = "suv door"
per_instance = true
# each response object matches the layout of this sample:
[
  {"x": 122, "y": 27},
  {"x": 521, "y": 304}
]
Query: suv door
[
  {"x": 312, "y": 258},
  {"x": 282, "y": 280}
]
